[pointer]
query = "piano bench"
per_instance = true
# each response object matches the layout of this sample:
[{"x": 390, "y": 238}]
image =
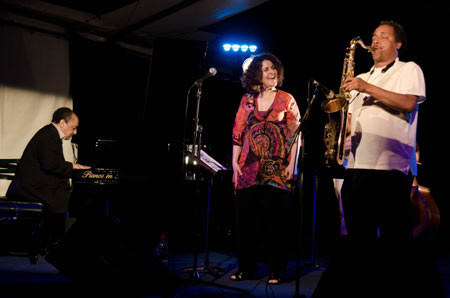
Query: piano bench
[{"x": 20, "y": 228}]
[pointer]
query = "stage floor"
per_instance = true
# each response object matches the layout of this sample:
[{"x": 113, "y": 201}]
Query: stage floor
[{"x": 19, "y": 278}]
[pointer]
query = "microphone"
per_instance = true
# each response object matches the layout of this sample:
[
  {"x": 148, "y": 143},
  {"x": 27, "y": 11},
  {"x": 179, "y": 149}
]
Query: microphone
[
  {"x": 329, "y": 94},
  {"x": 212, "y": 72}
]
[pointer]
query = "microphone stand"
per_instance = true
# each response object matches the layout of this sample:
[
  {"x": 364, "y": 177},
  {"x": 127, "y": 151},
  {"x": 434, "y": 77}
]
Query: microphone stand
[
  {"x": 301, "y": 193},
  {"x": 196, "y": 151}
]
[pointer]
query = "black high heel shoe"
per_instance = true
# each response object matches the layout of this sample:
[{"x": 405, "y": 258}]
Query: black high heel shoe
[
  {"x": 240, "y": 275},
  {"x": 273, "y": 279}
]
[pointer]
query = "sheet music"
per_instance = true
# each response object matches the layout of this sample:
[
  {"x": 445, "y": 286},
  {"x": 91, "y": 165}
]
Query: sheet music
[
  {"x": 211, "y": 162},
  {"x": 208, "y": 162}
]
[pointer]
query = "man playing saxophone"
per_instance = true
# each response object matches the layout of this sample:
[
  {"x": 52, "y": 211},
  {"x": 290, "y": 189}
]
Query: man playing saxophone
[{"x": 383, "y": 112}]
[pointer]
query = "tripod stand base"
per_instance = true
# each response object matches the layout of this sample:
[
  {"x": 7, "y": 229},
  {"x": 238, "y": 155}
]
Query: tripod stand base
[
  {"x": 195, "y": 278},
  {"x": 194, "y": 274},
  {"x": 315, "y": 265},
  {"x": 212, "y": 270}
]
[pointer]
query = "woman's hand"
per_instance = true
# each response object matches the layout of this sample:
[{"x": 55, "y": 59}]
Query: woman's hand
[
  {"x": 235, "y": 163},
  {"x": 236, "y": 172},
  {"x": 289, "y": 172}
]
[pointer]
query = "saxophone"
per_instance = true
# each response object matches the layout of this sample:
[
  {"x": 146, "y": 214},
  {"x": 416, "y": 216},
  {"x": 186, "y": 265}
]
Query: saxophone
[{"x": 337, "y": 109}]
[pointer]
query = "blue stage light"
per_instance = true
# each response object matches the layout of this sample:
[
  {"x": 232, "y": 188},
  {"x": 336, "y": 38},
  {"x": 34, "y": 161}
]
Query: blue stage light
[
  {"x": 244, "y": 48},
  {"x": 226, "y": 47},
  {"x": 235, "y": 47},
  {"x": 253, "y": 48}
]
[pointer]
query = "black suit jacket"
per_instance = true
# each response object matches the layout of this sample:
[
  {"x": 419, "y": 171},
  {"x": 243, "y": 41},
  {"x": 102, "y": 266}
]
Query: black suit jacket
[{"x": 42, "y": 173}]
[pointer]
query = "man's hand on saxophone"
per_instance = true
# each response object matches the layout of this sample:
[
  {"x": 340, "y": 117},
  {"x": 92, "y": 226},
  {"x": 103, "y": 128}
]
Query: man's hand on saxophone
[{"x": 355, "y": 83}]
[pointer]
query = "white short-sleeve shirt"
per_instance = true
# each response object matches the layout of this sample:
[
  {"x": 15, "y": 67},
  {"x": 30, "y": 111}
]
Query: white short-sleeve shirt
[{"x": 383, "y": 138}]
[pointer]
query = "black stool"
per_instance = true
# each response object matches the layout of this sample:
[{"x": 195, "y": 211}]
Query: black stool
[{"x": 20, "y": 228}]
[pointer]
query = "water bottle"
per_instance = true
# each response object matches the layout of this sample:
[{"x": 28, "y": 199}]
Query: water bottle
[{"x": 162, "y": 250}]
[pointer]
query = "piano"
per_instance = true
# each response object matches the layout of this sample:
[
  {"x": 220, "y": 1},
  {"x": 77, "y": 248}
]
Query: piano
[
  {"x": 94, "y": 189},
  {"x": 104, "y": 165}
]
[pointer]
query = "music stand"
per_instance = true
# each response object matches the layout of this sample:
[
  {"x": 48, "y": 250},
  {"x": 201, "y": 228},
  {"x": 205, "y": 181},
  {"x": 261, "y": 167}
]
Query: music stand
[{"x": 212, "y": 167}]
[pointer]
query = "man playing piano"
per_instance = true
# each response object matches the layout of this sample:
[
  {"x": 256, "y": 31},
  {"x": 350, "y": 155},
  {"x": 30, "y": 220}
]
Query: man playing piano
[{"x": 43, "y": 174}]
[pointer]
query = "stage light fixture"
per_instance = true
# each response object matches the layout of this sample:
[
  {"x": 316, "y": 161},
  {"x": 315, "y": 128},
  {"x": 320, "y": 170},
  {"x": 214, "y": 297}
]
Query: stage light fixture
[
  {"x": 253, "y": 48},
  {"x": 226, "y": 47},
  {"x": 235, "y": 47}
]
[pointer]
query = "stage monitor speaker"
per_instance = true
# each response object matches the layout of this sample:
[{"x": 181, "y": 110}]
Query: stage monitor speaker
[{"x": 103, "y": 254}]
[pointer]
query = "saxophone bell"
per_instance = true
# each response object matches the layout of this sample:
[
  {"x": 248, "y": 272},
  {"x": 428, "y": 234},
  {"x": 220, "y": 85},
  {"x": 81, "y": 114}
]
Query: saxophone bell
[{"x": 335, "y": 104}]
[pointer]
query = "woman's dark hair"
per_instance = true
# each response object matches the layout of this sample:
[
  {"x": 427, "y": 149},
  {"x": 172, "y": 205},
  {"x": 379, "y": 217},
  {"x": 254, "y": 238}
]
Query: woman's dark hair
[
  {"x": 252, "y": 77},
  {"x": 62, "y": 114},
  {"x": 399, "y": 33}
]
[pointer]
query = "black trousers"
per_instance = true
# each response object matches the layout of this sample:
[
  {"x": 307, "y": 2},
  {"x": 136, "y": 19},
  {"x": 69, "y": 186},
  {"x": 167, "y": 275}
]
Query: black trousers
[
  {"x": 378, "y": 258},
  {"x": 261, "y": 217},
  {"x": 377, "y": 203}
]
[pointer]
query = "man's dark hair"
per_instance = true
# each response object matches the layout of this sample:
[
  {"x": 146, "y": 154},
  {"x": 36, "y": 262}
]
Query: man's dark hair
[
  {"x": 399, "y": 33},
  {"x": 62, "y": 114}
]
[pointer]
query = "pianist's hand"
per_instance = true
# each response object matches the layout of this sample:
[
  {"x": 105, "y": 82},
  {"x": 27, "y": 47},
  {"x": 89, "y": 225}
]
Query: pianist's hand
[{"x": 77, "y": 166}]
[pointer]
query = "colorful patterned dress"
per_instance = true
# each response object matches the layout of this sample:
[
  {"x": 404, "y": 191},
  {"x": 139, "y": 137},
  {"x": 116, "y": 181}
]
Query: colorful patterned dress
[{"x": 265, "y": 138}]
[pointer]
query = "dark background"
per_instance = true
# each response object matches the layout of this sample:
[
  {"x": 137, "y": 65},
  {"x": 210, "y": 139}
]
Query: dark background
[{"x": 140, "y": 101}]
